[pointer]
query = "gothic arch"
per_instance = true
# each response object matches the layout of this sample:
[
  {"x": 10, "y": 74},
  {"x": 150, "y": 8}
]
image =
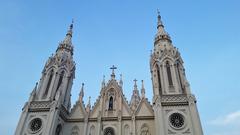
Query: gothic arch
[
  {"x": 75, "y": 130},
  {"x": 126, "y": 130},
  {"x": 92, "y": 130},
  {"x": 169, "y": 72},
  {"x": 179, "y": 72},
  {"x": 145, "y": 130},
  {"x": 58, "y": 130},
  {"x": 110, "y": 99},
  {"x": 158, "y": 73},
  {"x": 50, "y": 76}
]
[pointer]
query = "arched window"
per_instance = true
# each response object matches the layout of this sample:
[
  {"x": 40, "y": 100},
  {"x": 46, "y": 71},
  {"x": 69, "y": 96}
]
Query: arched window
[
  {"x": 60, "y": 79},
  {"x": 109, "y": 131},
  {"x": 159, "y": 79},
  {"x": 75, "y": 130},
  {"x": 145, "y": 130},
  {"x": 126, "y": 130},
  {"x": 169, "y": 74},
  {"x": 110, "y": 106},
  {"x": 92, "y": 130},
  {"x": 179, "y": 74},
  {"x": 58, "y": 129},
  {"x": 49, "y": 83}
]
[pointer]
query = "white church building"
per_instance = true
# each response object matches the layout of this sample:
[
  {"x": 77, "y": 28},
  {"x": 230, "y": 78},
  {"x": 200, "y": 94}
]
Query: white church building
[{"x": 173, "y": 109}]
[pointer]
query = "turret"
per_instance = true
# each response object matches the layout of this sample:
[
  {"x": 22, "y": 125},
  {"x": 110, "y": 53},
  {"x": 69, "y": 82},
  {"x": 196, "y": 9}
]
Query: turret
[
  {"x": 58, "y": 73},
  {"x": 135, "y": 99},
  {"x": 167, "y": 69}
]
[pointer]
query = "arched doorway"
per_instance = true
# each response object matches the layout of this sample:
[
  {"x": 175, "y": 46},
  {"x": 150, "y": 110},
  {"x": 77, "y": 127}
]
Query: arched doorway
[{"x": 109, "y": 131}]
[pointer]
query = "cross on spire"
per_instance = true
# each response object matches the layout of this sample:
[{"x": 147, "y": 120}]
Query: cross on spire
[
  {"x": 113, "y": 68},
  {"x": 113, "y": 74},
  {"x": 135, "y": 81}
]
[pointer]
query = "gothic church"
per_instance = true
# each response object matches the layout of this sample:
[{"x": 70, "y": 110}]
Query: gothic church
[{"x": 173, "y": 110}]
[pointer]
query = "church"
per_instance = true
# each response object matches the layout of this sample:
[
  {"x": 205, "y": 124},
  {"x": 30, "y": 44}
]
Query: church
[{"x": 172, "y": 111}]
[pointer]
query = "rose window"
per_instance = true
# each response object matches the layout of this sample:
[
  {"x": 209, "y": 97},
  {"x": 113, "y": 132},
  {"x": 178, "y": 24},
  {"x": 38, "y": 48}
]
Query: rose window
[
  {"x": 35, "y": 125},
  {"x": 176, "y": 120}
]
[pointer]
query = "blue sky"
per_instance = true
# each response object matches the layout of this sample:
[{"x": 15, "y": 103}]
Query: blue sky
[{"x": 109, "y": 32}]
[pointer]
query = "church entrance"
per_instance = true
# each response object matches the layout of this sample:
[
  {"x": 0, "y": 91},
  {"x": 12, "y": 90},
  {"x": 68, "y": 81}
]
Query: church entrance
[{"x": 109, "y": 131}]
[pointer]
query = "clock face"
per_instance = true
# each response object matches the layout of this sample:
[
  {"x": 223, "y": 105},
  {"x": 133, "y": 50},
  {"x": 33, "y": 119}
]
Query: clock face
[
  {"x": 35, "y": 125},
  {"x": 176, "y": 120}
]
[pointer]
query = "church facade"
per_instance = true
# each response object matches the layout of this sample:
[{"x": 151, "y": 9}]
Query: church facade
[{"x": 173, "y": 110}]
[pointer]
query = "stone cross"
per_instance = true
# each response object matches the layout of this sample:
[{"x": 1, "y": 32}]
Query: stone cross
[{"x": 113, "y": 68}]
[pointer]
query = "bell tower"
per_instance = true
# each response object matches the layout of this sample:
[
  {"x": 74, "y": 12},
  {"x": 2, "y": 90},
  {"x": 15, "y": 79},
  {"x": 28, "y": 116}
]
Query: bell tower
[
  {"x": 51, "y": 97},
  {"x": 174, "y": 105}
]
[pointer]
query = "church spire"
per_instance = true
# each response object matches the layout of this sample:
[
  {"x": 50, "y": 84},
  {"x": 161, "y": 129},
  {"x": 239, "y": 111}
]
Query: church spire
[
  {"x": 66, "y": 44},
  {"x": 161, "y": 34}
]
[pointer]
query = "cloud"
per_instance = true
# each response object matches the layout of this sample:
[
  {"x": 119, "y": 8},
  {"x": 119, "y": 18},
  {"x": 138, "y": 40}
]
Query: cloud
[{"x": 229, "y": 119}]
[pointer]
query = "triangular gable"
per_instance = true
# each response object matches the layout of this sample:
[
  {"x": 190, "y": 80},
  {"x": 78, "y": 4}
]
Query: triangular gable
[
  {"x": 125, "y": 107},
  {"x": 78, "y": 111},
  {"x": 96, "y": 109},
  {"x": 144, "y": 108}
]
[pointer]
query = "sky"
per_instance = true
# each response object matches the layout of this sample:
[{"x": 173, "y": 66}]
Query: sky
[{"x": 121, "y": 33}]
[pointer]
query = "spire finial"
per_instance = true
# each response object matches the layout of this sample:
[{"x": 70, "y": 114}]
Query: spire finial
[
  {"x": 89, "y": 102},
  {"x": 67, "y": 42},
  {"x": 103, "y": 81},
  {"x": 81, "y": 94},
  {"x": 161, "y": 34},
  {"x": 121, "y": 81},
  {"x": 159, "y": 19},
  {"x": 113, "y": 74},
  {"x": 143, "y": 90},
  {"x": 135, "y": 84},
  {"x": 88, "y": 108}
]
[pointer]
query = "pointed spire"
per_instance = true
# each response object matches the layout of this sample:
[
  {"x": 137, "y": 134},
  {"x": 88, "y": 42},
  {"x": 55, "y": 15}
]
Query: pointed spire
[
  {"x": 81, "y": 94},
  {"x": 161, "y": 34},
  {"x": 135, "y": 99},
  {"x": 68, "y": 38},
  {"x": 88, "y": 105},
  {"x": 67, "y": 42},
  {"x": 160, "y": 24},
  {"x": 113, "y": 74},
  {"x": 121, "y": 81},
  {"x": 135, "y": 84},
  {"x": 143, "y": 90},
  {"x": 103, "y": 82}
]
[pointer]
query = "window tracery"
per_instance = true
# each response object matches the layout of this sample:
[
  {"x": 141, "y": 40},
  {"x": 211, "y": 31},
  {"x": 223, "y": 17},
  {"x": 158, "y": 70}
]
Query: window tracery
[
  {"x": 109, "y": 131},
  {"x": 169, "y": 74},
  {"x": 49, "y": 82}
]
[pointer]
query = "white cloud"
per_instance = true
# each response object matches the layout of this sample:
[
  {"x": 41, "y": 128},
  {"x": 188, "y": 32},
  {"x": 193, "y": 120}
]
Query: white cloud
[{"x": 229, "y": 119}]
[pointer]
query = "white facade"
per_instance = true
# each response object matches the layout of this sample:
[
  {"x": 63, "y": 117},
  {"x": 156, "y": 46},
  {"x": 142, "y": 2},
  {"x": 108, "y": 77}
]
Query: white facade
[{"x": 173, "y": 110}]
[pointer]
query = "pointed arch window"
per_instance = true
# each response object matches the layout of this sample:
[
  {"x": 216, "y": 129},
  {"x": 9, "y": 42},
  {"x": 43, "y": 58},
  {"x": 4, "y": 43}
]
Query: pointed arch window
[
  {"x": 60, "y": 79},
  {"x": 126, "y": 130},
  {"x": 58, "y": 130},
  {"x": 92, "y": 130},
  {"x": 159, "y": 79},
  {"x": 75, "y": 130},
  {"x": 49, "y": 82},
  {"x": 110, "y": 106},
  {"x": 179, "y": 74},
  {"x": 169, "y": 75}
]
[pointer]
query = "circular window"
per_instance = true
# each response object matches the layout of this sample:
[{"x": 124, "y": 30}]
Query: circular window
[
  {"x": 176, "y": 120},
  {"x": 35, "y": 125},
  {"x": 109, "y": 131}
]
